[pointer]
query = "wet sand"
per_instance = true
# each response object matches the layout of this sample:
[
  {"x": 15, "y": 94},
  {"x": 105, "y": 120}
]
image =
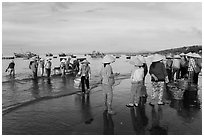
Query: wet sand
[{"x": 78, "y": 115}]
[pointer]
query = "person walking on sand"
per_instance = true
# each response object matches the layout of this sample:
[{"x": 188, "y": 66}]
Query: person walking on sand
[
  {"x": 11, "y": 66},
  {"x": 85, "y": 73},
  {"x": 169, "y": 63},
  {"x": 142, "y": 59},
  {"x": 137, "y": 76},
  {"x": 34, "y": 67},
  {"x": 107, "y": 80},
  {"x": 48, "y": 66},
  {"x": 158, "y": 77},
  {"x": 42, "y": 66}
]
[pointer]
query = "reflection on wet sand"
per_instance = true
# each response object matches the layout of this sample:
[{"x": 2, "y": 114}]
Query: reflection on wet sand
[
  {"x": 84, "y": 102},
  {"x": 187, "y": 115},
  {"x": 35, "y": 89},
  {"x": 156, "y": 128},
  {"x": 108, "y": 125},
  {"x": 139, "y": 119}
]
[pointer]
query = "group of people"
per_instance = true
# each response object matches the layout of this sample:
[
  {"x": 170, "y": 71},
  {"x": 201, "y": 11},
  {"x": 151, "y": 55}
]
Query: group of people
[
  {"x": 182, "y": 66},
  {"x": 186, "y": 66},
  {"x": 65, "y": 65},
  {"x": 36, "y": 62},
  {"x": 159, "y": 72}
]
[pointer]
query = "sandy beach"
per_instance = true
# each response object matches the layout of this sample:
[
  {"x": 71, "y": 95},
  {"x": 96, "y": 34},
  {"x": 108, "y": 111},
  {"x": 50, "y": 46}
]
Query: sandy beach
[{"x": 72, "y": 114}]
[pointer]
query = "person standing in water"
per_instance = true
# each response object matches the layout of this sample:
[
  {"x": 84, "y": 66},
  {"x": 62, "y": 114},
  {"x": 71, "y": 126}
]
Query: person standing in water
[
  {"x": 62, "y": 67},
  {"x": 107, "y": 80},
  {"x": 34, "y": 67},
  {"x": 48, "y": 66},
  {"x": 42, "y": 66},
  {"x": 11, "y": 66},
  {"x": 85, "y": 73}
]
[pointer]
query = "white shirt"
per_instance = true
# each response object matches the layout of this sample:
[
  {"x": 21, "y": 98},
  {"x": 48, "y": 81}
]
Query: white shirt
[{"x": 137, "y": 74}]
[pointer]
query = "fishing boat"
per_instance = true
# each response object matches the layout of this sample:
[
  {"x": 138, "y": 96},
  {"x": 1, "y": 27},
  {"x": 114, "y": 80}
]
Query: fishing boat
[
  {"x": 96, "y": 54},
  {"x": 62, "y": 55},
  {"x": 26, "y": 55},
  {"x": 49, "y": 54}
]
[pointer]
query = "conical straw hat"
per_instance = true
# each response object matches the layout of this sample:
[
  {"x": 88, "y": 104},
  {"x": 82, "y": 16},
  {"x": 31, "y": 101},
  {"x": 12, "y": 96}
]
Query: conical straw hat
[
  {"x": 142, "y": 59},
  {"x": 182, "y": 54},
  {"x": 108, "y": 59},
  {"x": 136, "y": 61},
  {"x": 189, "y": 54},
  {"x": 85, "y": 62},
  {"x": 177, "y": 56},
  {"x": 157, "y": 57},
  {"x": 195, "y": 55}
]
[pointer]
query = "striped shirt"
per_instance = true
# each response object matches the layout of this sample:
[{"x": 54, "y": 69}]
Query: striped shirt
[{"x": 191, "y": 65}]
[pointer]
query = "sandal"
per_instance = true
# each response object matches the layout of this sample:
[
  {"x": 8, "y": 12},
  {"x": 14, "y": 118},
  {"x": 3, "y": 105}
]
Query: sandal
[
  {"x": 151, "y": 104},
  {"x": 136, "y": 105},
  {"x": 130, "y": 105},
  {"x": 160, "y": 103}
]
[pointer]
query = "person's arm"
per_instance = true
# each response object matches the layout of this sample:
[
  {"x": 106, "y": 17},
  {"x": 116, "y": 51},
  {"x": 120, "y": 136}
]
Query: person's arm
[
  {"x": 151, "y": 73},
  {"x": 110, "y": 72},
  {"x": 89, "y": 72}
]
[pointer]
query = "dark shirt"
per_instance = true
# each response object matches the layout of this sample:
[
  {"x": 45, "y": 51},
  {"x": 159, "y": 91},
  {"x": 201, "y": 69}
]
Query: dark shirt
[
  {"x": 158, "y": 69},
  {"x": 145, "y": 69},
  {"x": 11, "y": 65}
]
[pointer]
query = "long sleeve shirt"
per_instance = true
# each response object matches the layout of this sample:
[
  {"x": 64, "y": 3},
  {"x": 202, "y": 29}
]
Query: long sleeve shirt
[
  {"x": 106, "y": 73},
  {"x": 191, "y": 64},
  {"x": 137, "y": 75}
]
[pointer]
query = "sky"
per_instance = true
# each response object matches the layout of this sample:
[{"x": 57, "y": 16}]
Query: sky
[{"x": 82, "y": 27}]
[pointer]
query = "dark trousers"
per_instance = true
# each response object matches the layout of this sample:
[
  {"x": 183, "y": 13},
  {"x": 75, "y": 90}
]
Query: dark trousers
[
  {"x": 169, "y": 73},
  {"x": 35, "y": 74},
  {"x": 84, "y": 81},
  {"x": 195, "y": 78},
  {"x": 177, "y": 71},
  {"x": 48, "y": 71},
  {"x": 184, "y": 71}
]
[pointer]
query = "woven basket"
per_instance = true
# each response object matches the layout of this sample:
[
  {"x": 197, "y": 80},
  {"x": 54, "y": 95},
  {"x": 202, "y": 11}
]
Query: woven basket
[
  {"x": 177, "y": 93},
  {"x": 183, "y": 84}
]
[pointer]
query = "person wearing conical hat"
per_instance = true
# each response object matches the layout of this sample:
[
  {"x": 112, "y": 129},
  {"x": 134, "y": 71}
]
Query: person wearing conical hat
[
  {"x": 42, "y": 66},
  {"x": 85, "y": 73},
  {"x": 137, "y": 76},
  {"x": 62, "y": 67},
  {"x": 34, "y": 66},
  {"x": 184, "y": 66},
  {"x": 142, "y": 59},
  {"x": 107, "y": 80},
  {"x": 176, "y": 66},
  {"x": 11, "y": 66},
  {"x": 169, "y": 69},
  {"x": 158, "y": 75},
  {"x": 191, "y": 67},
  {"x": 48, "y": 66}
]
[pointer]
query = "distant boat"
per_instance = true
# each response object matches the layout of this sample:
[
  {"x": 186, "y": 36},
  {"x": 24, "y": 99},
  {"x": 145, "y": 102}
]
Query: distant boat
[
  {"x": 62, "y": 55},
  {"x": 73, "y": 56},
  {"x": 128, "y": 57},
  {"x": 49, "y": 55},
  {"x": 26, "y": 55},
  {"x": 96, "y": 54}
]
